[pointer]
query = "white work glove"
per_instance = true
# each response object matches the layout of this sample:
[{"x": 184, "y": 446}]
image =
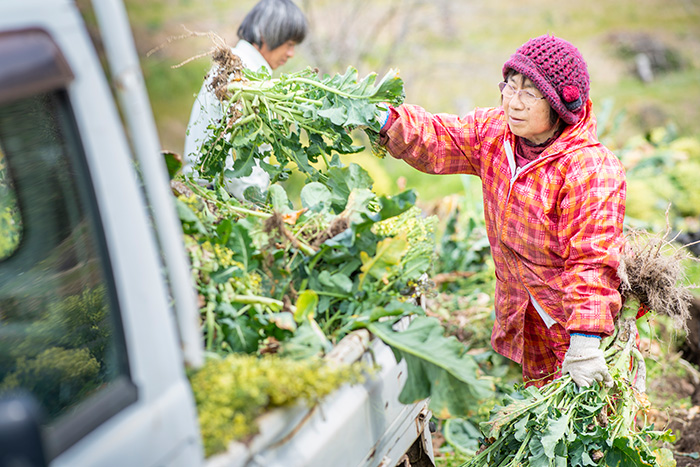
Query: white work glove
[{"x": 585, "y": 361}]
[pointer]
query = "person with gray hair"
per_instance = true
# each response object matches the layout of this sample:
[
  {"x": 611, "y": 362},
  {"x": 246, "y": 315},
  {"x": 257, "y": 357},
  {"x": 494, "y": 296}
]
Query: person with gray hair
[{"x": 267, "y": 36}]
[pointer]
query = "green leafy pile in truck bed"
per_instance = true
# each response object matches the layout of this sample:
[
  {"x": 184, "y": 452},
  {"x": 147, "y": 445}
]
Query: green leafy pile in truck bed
[
  {"x": 274, "y": 278},
  {"x": 232, "y": 392}
]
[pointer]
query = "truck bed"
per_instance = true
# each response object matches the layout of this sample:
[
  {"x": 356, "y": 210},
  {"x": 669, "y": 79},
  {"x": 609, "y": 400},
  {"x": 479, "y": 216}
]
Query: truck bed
[{"x": 358, "y": 425}]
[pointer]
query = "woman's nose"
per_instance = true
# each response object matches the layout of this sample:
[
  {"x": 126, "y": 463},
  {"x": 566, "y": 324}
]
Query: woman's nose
[{"x": 515, "y": 101}]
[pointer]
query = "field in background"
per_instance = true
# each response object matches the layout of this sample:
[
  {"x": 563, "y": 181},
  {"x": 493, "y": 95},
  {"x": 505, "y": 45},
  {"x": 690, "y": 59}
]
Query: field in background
[{"x": 449, "y": 54}]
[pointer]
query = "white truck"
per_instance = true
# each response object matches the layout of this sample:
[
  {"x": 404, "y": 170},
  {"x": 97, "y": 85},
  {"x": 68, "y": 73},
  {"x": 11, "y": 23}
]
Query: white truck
[{"x": 98, "y": 314}]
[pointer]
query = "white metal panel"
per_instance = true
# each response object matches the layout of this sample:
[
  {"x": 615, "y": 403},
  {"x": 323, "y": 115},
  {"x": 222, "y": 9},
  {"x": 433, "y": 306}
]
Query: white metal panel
[
  {"x": 163, "y": 421},
  {"x": 136, "y": 109}
]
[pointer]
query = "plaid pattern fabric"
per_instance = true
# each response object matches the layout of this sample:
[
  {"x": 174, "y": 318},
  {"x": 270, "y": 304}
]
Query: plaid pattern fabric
[
  {"x": 543, "y": 349},
  {"x": 555, "y": 227}
]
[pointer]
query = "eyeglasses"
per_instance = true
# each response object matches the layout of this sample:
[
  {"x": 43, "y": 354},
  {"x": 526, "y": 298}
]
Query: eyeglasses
[{"x": 526, "y": 97}]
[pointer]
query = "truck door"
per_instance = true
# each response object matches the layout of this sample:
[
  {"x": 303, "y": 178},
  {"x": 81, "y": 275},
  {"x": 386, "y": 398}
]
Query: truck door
[{"x": 85, "y": 322}]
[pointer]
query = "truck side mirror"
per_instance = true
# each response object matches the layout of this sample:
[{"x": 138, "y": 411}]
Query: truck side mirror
[{"x": 20, "y": 432}]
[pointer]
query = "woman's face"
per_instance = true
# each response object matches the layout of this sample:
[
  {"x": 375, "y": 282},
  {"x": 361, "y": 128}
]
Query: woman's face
[
  {"x": 279, "y": 55},
  {"x": 531, "y": 121}
]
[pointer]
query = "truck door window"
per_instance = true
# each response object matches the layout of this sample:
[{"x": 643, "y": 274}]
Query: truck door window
[
  {"x": 10, "y": 222},
  {"x": 60, "y": 334}
]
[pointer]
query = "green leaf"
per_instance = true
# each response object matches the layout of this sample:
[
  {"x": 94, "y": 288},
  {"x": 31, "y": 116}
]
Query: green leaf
[
  {"x": 342, "y": 180},
  {"x": 579, "y": 456},
  {"x": 521, "y": 428},
  {"x": 531, "y": 402},
  {"x": 336, "y": 114},
  {"x": 224, "y": 275},
  {"x": 189, "y": 220},
  {"x": 538, "y": 458},
  {"x": 279, "y": 199},
  {"x": 223, "y": 230},
  {"x": 240, "y": 334},
  {"x": 438, "y": 367},
  {"x": 462, "y": 435},
  {"x": 316, "y": 197},
  {"x": 357, "y": 177},
  {"x": 173, "y": 162},
  {"x": 664, "y": 457},
  {"x": 303, "y": 344},
  {"x": 306, "y": 305},
  {"x": 244, "y": 163},
  {"x": 415, "y": 267},
  {"x": 283, "y": 320},
  {"x": 390, "y": 89},
  {"x": 335, "y": 281},
  {"x": 240, "y": 243},
  {"x": 394, "y": 308},
  {"x": 396, "y": 204},
  {"x": 358, "y": 207},
  {"x": 383, "y": 264},
  {"x": 555, "y": 432},
  {"x": 623, "y": 454}
]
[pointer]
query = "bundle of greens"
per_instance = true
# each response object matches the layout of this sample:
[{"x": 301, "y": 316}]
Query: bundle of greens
[
  {"x": 564, "y": 425},
  {"x": 298, "y": 117}
]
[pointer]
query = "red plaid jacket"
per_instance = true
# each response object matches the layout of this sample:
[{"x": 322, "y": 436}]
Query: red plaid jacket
[{"x": 555, "y": 225}]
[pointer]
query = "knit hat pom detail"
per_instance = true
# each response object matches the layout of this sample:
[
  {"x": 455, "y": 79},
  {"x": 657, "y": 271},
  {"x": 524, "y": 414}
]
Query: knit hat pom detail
[
  {"x": 572, "y": 97},
  {"x": 570, "y": 93}
]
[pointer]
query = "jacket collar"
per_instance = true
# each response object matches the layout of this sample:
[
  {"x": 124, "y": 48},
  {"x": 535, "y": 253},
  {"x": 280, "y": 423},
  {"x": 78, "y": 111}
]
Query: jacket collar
[
  {"x": 250, "y": 56},
  {"x": 581, "y": 134}
]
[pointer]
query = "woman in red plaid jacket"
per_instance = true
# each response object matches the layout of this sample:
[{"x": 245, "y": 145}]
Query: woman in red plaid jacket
[{"x": 554, "y": 203}]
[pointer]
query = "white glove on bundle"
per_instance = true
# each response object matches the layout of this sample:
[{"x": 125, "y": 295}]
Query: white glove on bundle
[{"x": 585, "y": 361}]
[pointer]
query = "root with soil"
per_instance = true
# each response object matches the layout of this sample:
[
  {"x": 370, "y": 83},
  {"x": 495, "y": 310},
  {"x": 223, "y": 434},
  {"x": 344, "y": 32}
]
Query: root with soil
[{"x": 652, "y": 273}]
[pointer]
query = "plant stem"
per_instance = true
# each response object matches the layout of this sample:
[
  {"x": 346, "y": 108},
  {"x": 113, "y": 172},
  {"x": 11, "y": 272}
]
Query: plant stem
[
  {"x": 258, "y": 300},
  {"x": 326, "y": 88}
]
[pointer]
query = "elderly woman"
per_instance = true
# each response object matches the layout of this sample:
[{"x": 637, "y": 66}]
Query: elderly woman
[
  {"x": 554, "y": 203},
  {"x": 267, "y": 36}
]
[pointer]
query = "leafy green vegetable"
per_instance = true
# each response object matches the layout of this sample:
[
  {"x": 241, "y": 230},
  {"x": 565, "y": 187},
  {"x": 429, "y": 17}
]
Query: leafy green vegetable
[
  {"x": 562, "y": 424},
  {"x": 325, "y": 264},
  {"x": 297, "y": 118},
  {"x": 438, "y": 367}
]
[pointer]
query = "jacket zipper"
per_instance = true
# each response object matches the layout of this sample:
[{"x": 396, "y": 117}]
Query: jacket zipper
[{"x": 515, "y": 171}]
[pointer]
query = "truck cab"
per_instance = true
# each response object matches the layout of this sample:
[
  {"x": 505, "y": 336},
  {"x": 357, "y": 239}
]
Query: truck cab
[{"x": 98, "y": 317}]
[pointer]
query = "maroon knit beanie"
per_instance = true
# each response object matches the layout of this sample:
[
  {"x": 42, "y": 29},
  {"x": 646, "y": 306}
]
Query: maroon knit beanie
[{"x": 558, "y": 70}]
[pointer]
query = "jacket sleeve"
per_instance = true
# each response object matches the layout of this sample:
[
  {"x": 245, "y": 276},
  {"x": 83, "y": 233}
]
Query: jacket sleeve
[
  {"x": 592, "y": 213},
  {"x": 434, "y": 144}
]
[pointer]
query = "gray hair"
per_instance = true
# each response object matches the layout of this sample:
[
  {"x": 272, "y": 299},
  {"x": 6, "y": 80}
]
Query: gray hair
[{"x": 275, "y": 22}]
